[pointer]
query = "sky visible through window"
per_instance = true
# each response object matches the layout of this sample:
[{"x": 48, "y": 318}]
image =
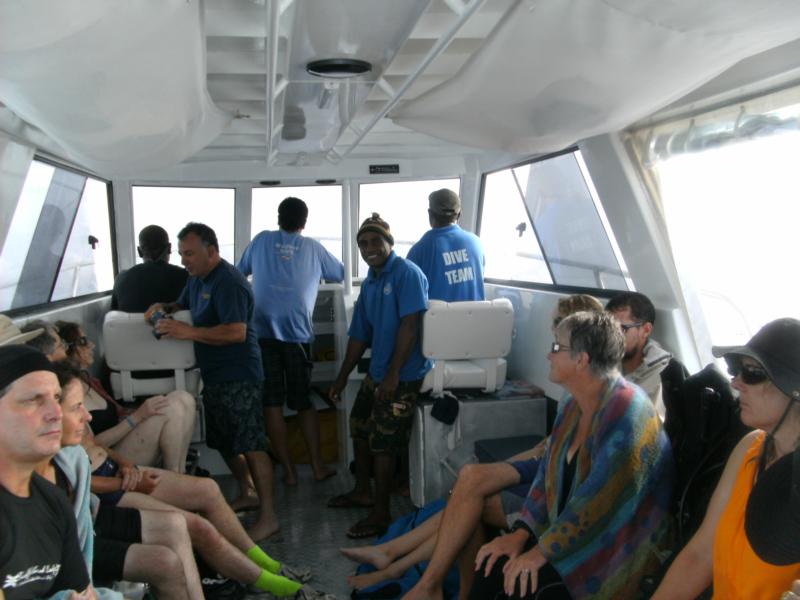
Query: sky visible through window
[{"x": 732, "y": 216}]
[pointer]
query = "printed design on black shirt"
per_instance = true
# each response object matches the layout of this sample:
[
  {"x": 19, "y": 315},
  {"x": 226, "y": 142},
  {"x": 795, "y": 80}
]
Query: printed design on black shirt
[{"x": 31, "y": 575}]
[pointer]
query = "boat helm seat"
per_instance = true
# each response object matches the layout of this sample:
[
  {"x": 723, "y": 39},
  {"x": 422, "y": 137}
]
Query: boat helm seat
[
  {"x": 468, "y": 342},
  {"x": 131, "y": 348}
]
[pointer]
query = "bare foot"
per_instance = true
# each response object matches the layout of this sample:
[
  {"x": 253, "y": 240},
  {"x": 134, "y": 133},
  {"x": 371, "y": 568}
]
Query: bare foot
[
  {"x": 246, "y": 501},
  {"x": 370, "y": 555},
  {"x": 359, "y": 582},
  {"x": 324, "y": 474},
  {"x": 263, "y": 528},
  {"x": 289, "y": 478}
]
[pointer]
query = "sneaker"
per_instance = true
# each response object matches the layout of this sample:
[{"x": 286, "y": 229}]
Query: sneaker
[
  {"x": 301, "y": 574},
  {"x": 222, "y": 588}
]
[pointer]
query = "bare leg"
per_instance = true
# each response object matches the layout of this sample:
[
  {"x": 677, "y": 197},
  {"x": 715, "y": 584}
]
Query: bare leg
[
  {"x": 218, "y": 552},
  {"x": 169, "y": 529},
  {"x": 189, "y": 405},
  {"x": 261, "y": 469},
  {"x": 247, "y": 491},
  {"x": 141, "y": 445},
  {"x": 160, "y": 567},
  {"x": 397, "y": 568},
  {"x": 162, "y": 435},
  {"x": 174, "y": 440},
  {"x": 380, "y": 515},
  {"x": 202, "y": 495},
  {"x": 492, "y": 518},
  {"x": 278, "y": 437},
  {"x": 459, "y": 521},
  {"x": 309, "y": 424},
  {"x": 382, "y": 555}
]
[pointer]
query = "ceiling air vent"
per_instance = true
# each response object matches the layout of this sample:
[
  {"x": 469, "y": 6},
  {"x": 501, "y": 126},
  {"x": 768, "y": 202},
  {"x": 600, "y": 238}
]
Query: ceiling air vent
[{"x": 338, "y": 68}]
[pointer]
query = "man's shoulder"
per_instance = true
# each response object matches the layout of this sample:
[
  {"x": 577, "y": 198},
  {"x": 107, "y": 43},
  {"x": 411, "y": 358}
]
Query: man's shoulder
[
  {"x": 54, "y": 497},
  {"x": 227, "y": 274}
]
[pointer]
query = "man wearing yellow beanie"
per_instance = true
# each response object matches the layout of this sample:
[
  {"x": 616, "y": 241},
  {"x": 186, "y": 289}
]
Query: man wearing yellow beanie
[{"x": 387, "y": 318}]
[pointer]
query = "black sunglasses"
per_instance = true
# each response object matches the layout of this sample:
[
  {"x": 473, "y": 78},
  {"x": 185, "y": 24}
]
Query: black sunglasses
[
  {"x": 747, "y": 373},
  {"x": 81, "y": 341},
  {"x": 628, "y": 326}
]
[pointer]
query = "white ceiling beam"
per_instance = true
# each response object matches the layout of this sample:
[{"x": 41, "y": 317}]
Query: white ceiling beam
[
  {"x": 435, "y": 51},
  {"x": 271, "y": 64}
]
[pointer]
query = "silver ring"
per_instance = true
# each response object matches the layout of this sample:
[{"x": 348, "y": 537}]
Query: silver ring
[{"x": 526, "y": 571}]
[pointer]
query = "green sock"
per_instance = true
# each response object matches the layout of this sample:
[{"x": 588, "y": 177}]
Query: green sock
[
  {"x": 263, "y": 560},
  {"x": 277, "y": 585}
]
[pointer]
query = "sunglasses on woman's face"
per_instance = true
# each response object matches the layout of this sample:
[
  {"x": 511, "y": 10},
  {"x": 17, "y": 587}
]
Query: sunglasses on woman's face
[
  {"x": 81, "y": 341},
  {"x": 749, "y": 374}
]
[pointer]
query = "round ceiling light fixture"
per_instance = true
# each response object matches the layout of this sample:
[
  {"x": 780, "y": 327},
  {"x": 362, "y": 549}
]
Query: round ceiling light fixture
[{"x": 338, "y": 68}]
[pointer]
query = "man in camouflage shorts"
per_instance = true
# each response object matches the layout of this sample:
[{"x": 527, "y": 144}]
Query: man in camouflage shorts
[{"x": 386, "y": 318}]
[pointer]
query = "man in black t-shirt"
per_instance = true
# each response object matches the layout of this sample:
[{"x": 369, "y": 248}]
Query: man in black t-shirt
[
  {"x": 39, "y": 551},
  {"x": 155, "y": 280}
]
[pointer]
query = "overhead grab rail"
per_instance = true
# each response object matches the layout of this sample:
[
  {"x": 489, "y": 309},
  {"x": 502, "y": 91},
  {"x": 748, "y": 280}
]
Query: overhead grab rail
[
  {"x": 274, "y": 10},
  {"x": 463, "y": 12}
]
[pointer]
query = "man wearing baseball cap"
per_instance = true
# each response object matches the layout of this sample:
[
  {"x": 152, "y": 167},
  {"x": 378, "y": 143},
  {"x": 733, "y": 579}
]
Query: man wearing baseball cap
[
  {"x": 387, "y": 318},
  {"x": 451, "y": 258},
  {"x": 39, "y": 551}
]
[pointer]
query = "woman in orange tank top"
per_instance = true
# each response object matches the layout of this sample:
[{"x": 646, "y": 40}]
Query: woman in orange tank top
[{"x": 747, "y": 544}]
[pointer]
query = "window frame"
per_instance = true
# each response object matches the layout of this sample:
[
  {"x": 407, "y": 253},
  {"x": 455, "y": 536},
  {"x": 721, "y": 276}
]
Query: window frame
[
  {"x": 355, "y": 208},
  {"x": 331, "y": 183},
  {"x": 75, "y": 300},
  {"x": 529, "y": 285},
  {"x": 186, "y": 185}
]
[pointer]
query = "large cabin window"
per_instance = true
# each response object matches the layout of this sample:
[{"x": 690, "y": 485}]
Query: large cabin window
[
  {"x": 59, "y": 244},
  {"x": 402, "y": 204},
  {"x": 727, "y": 184},
  {"x": 174, "y": 207},
  {"x": 542, "y": 223},
  {"x": 324, "y": 212}
]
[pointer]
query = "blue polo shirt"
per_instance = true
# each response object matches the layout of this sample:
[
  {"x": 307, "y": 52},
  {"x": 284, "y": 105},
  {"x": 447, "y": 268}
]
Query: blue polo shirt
[
  {"x": 400, "y": 290},
  {"x": 452, "y": 260},
  {"x": 287, "y": 269},
  {"x": 222, "y": 297}
]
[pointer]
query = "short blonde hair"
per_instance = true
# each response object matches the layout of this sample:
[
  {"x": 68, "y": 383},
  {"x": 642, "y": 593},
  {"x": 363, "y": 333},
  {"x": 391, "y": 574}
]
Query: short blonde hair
[{"x": 576, "y": 303}]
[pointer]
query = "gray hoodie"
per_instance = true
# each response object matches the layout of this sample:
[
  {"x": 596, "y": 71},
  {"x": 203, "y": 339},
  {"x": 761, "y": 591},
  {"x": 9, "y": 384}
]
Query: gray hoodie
[{"x": 648, "y": 374}]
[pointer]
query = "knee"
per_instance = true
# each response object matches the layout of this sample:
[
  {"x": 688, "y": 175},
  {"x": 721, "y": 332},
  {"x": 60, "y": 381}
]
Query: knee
[
  {"x": 204, "y": 534},
  {"x": 207, "y": 490},
  {"x": 167, "y": 567},
  {"x": 175, "y": 523},
  {"x": 183, "y": 399},
  {"x": 469, "y": 475}
]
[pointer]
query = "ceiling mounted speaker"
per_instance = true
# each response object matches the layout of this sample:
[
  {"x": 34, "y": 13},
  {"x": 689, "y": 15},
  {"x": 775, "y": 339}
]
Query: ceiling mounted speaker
[{"x": 338, "y": 68}]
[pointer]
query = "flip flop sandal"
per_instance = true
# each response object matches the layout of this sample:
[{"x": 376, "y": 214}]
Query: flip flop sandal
[
  {"x": 366, "y": 530},
  {"x": 301, "y": 574},
  {"x": 345, "y": 501}
]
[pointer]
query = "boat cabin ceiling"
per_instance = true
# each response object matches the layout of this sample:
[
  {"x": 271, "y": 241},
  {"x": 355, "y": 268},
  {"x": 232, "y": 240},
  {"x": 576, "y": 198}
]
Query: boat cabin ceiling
[{"x": 251, "y": 90}]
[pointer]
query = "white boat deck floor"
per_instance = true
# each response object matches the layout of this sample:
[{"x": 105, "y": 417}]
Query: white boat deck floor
[{"x": 311, "y": 534}]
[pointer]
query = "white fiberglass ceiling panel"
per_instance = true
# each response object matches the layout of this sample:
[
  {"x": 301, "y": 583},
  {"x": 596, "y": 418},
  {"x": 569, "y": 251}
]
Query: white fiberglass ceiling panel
[
  {"x": 557, "y": 71},
  {"x": 121, "y": 86}
]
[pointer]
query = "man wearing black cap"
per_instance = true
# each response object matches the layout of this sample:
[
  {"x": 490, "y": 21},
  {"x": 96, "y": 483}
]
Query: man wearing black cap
[
  {"x": 39, "y": 551},
  {"x": 451, "y": 258},
  {"x": 155, "y": 280},
  {"x": 386, "y": 318}
]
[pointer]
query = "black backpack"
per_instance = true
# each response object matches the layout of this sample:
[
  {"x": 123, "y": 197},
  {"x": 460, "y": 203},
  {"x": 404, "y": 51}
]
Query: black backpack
[{"x": 703, "y": 425}]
